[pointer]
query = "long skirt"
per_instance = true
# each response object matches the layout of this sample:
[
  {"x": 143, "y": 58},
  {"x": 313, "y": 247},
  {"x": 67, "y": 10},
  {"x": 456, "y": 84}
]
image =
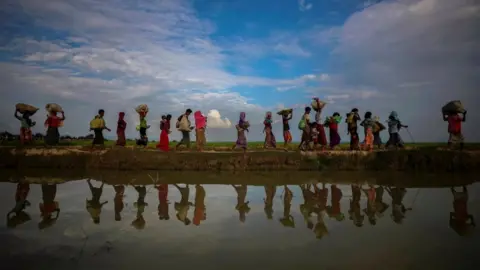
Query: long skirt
[
  {"x": 270, "y": 138},
  {"x": 321, "y": 137},
  {"x": 98, "y": 137},
  {"x": 52, "y": 137},
  {"x": 25, "y": 135},
  {"x": 306, "y": 138},
  {"x": 287, "y": 136},
  {"x": 164, "y": 141},
  {"x": 241, "y": 139},
  {"x": 121, "y": 140},
  {"x": 368, "y": 142},
  {"x": 200, "y": 139},
  {"x": 354, "y": 139},
  {"x": 377, "y": 140},
  {"x": 395, "y": 140},
  {"x": 334, "y": 138}
]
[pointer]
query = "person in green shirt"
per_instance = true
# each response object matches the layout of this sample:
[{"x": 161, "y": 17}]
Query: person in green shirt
[
  {"x": 26, "y": 123},
  {"x": 98, "y": 130},
  {"x": 142, "y": 127}
]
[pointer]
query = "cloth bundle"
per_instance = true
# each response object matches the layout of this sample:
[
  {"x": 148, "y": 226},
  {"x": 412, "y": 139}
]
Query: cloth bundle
[
  {"x": 22, "y": 108},
  {"x": 53, "y": 107},
  {"x": 454, "y": 106}
]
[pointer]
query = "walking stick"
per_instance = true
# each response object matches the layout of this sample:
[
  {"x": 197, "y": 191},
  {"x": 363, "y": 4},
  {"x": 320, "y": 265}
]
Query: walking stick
[{"x": 410, "y": 134}]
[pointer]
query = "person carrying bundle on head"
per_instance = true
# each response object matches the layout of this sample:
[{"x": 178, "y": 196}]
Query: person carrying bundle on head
[
  {"x": 454, "y": 113},
  {"x": 352, "y": 118}
]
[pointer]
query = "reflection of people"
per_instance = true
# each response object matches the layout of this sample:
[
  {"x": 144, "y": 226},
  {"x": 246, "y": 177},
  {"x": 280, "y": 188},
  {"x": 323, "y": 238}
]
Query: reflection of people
[
  {"x": 459, "y": 219},
  {"x": 118, "y": 201},
  {"x": 371, "y": 204},
  {"x": 321, "y": 197},
  {"x": 17, "y": 215},
  {"x": 355, "y": 211},
  {"x": 183, "y": 206},
  {"x": 200, "y": 209},
  {"x": 334, "y": 210},
  {"x": 287, "y": 220},
  {"x": 94, "y": 207},
  {"x": 242, "y": 205},
  {"x": 380, "y": 206},
  {"x": 307, "y": 207},
  {"x": 320, "y": 229},
  {"x": 163, "y": 201},
  {"x": 49, "y": 206},
  {"x": 270, "y": 191},
  {"x": 398, "y": 209},
  {"x": 140, "y": 204}
]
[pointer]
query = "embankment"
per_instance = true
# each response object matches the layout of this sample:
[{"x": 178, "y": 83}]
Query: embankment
[{"x": 128, "y": 159}]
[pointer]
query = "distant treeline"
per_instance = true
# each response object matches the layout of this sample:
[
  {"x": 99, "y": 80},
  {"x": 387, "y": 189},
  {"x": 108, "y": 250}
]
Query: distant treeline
[{"x": 39, "y": 136}]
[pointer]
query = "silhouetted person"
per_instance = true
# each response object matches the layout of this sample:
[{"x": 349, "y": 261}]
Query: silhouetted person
[
  {"x": 398, "y": 209},
  {"x": 287, "y": 220},
  {"x": 242, "y": 205},
  {"x": 460, "y": 220},
  {"x": 183, "y": 206},
  {"x": 355, "y": 212},
  {"x": 163, "y": 201},
  {"x": 200, "y": 213},
  {"x": 94, "y": 206},
  {"x": 118, "y": 201},
  {"x": 320, "y": 228},
  {"x": 48, "y": 206},
  {"x": 270, "y": 191},
  {"x": 308, "y": 204},
  {"x": 334, "y": 209},
  {"x": 321, "y": 197},
  {"x": 140, "y": 204},
  {"x": 17, "y": 215}
]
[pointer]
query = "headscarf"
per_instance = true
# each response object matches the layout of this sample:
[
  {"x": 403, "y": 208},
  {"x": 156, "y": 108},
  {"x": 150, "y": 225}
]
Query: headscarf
[
  {"x": 394, "y": 115},
  {"x": 200, "y": 120},
  {"x": 268, "y": 118},
  {"x": 121, "y": 115},
  {"x": 243, "y": 115}
]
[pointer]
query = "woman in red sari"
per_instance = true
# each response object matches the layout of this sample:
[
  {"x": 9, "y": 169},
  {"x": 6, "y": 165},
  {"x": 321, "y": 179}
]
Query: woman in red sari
[
  {"x": 164, "y": 142},
  {"x": 121, "y": 126}
]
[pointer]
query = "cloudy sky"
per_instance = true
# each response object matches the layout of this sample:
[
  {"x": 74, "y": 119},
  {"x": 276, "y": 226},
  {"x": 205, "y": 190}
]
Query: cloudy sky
[{"x": 224, "y": 57}]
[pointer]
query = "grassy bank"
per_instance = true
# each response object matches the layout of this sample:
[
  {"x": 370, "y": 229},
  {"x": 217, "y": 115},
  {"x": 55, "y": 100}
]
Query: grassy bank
[{"x": 212, "y": 145}]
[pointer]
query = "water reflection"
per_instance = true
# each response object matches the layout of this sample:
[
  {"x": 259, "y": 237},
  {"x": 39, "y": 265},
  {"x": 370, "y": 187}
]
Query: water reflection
[{"x": 322, "y": 206}]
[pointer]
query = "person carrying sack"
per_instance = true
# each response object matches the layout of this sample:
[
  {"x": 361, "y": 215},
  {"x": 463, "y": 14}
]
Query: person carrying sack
[{"x": 184, "y": 126}]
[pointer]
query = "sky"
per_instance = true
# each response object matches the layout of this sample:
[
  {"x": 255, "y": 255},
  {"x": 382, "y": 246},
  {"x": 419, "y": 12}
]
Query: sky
[{"x": 225, "y": 57}]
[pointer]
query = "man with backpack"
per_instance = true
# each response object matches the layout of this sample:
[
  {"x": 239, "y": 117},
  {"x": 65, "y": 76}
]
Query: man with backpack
[{"x": 184, "y": 126}]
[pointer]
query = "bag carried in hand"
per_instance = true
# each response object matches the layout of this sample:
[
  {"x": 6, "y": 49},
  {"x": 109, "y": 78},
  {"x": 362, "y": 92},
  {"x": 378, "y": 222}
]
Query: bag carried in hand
[
  {"x": 53, "y": 107},
  {"x": 301, "y": 124},
  {"x": 22, "y": 108},
  {"x": 454, "y": 106}
]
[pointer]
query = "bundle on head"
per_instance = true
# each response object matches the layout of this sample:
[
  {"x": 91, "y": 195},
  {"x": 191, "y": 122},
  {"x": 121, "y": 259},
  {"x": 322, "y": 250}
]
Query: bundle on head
[
  {"x": 142, "y": 109},
  {"x": 317, "y": 104},
  {"x": 23, "y": 108},
  {"x": 453, "y": 107},
  {"x": 53, "y": 107},
  {"x": 285, "y": 112}
]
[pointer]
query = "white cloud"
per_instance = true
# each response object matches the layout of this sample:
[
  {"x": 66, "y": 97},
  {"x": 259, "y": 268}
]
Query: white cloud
[
  {"x": 215, "y": 120},
  {"x": 303, "y": 5}
]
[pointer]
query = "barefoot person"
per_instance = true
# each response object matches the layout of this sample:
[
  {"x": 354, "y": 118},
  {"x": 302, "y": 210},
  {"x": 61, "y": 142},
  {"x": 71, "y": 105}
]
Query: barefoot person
[
  {"x": 98, "y": 125},
  {"x": 241, "y": 127},
  {"x": 352, "y": 118},
  {"x": 287, "y": 136},
  {"x": 321, "y": 136},
  {"x": 368, "y": 124},
  {"x": 200, "y": 127},
  {"x": 270, "y": 141},
  {"x": 164, "y": 142},
  {"x": 184, "y": 126},
  {"x": 25, "y": 128},
  {"x": 121, "y": 127},
  {"x": 455, "y": 128},
  {"x": 52, "y": 124}
]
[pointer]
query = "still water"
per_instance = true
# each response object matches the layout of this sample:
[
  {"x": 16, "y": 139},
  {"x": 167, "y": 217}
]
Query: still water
[{"x": 86, "y": 225}]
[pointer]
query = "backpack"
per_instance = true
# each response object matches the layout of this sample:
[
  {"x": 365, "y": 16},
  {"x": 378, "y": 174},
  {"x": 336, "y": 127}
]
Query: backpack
[{"x": 96, "y": 123}]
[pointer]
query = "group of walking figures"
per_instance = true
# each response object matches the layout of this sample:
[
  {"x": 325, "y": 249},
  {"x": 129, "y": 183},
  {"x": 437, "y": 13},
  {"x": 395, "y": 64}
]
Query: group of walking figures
[
  {"x": 315, "y": 202},
  {"x": 313, "y": 132}
]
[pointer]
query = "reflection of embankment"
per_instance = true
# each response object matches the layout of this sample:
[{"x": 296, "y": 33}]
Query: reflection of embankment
[
  {"x": 127, "y": 159},
  {"x": 249, "y": 178}
]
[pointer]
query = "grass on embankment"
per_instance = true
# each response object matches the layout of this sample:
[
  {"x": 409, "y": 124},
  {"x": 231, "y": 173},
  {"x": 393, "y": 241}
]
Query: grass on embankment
[{"x": 212, "y": 145}]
